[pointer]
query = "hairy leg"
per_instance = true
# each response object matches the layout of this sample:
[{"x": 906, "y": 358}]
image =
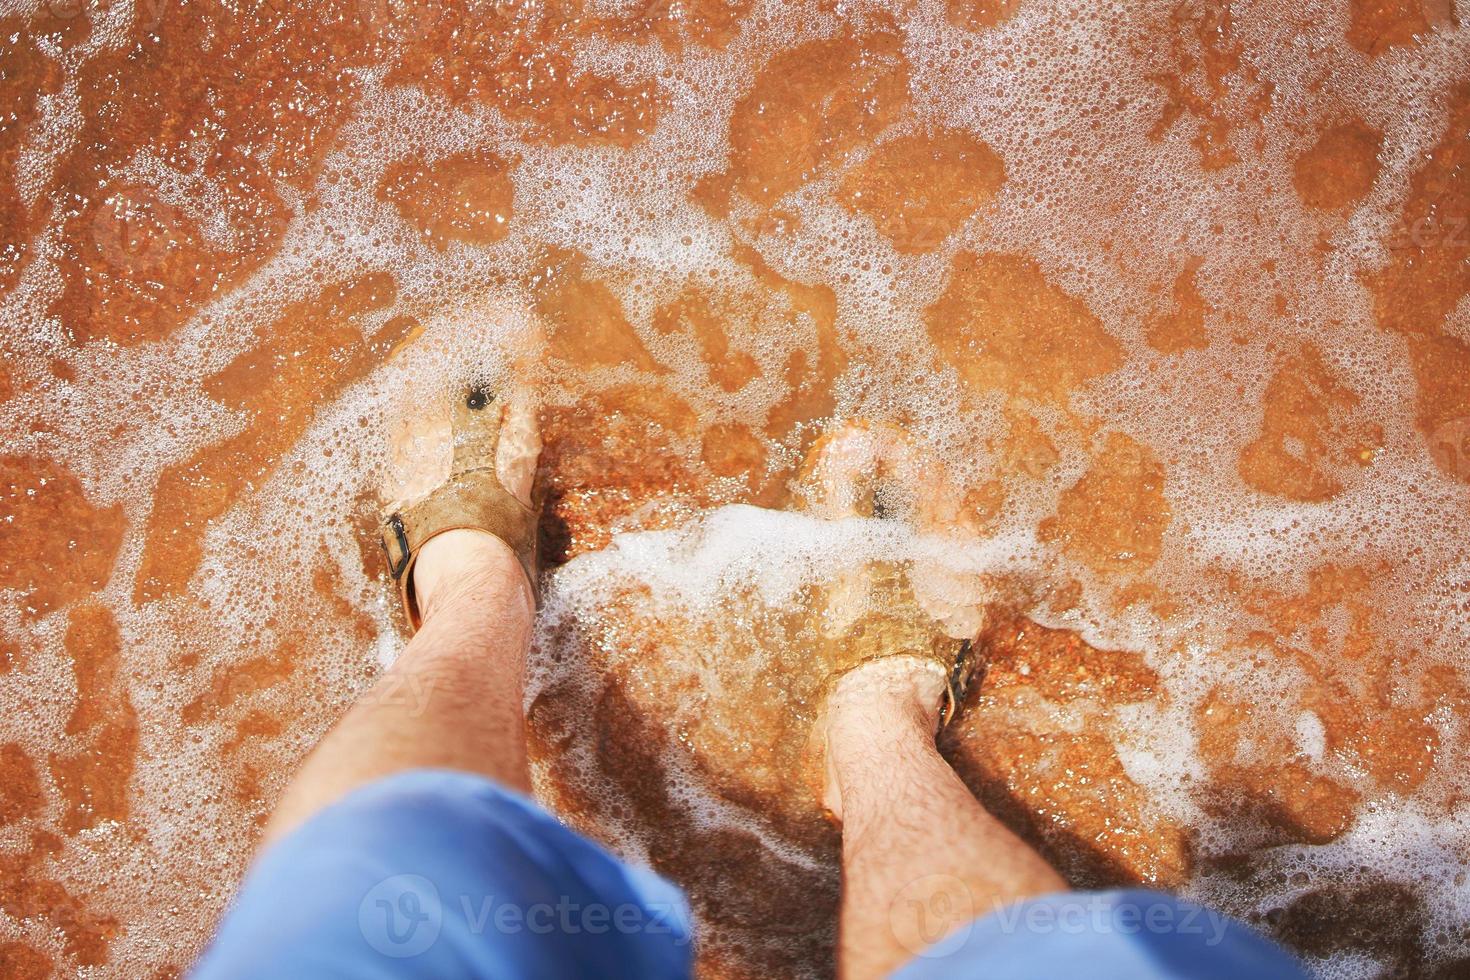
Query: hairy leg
[
  {"x": 453, "y": 700},
  {"x": 920, "y": 855}
]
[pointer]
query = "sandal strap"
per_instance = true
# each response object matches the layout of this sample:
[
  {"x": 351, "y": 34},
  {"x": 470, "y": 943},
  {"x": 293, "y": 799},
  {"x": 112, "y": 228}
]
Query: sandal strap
[
  {"x": 961, "y": 676},
  {"x": 891, "y": 627},
  {"x": 477, "y": 421},
  {"x": 957, "y": 677}
]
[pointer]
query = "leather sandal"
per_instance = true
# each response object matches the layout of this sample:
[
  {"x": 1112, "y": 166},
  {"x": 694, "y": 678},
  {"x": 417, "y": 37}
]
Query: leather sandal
[
  {"x": 892, "y": 625},
  {"x": 473, "y": 497},
  {"x": 886, "y": 625}
]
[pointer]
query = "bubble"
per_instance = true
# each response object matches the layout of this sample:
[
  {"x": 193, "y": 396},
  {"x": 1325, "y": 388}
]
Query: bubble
[{"x": 1142, "y": 260}]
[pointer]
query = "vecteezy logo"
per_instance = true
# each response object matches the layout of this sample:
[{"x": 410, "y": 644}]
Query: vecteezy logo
[
  {"x": 132, "y": 231},
  {"x": 1450, "y": 445},
  {"x": 401, "y": 916},
  {"x": 929, "y": 909}
]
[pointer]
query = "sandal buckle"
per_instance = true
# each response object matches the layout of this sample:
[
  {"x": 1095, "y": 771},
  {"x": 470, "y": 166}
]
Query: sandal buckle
[{"x": 399, "y": 537}]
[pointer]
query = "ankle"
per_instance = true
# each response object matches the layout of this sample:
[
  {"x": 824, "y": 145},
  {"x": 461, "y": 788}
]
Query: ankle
[
  {"x": 856, "y": 725},
  {"x": 878, "y": 730},
  {"x": 865, "y": 736},
  {"x": 464, "y": 566},
  {"x": 892, "y": 694}
]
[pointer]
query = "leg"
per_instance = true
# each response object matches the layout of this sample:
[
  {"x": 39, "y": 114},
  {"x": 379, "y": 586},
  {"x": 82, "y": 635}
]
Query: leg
[
  {"x": 452, "y": 700},
  {"x": 442, "y": 864},
  {"x": 920, "y": 856},
  {"x": 443, "y": 873}
]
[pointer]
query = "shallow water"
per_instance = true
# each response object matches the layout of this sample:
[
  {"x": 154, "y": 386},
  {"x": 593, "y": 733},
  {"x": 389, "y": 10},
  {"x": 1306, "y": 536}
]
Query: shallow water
[{"x": 1169, "y": 298}]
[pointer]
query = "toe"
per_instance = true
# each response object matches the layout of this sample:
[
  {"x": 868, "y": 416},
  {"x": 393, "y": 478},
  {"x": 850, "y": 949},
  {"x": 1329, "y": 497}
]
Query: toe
[
  {"x": 419, "y": 453},
  {"x": 519, "y": 450}
]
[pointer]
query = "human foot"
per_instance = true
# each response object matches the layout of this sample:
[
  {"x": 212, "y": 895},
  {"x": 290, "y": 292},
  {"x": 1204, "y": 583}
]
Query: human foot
[
  {"x": 895, "y": 661},
  {"x": 878, "y": 469},
  {"x": 464, "y": 508}
]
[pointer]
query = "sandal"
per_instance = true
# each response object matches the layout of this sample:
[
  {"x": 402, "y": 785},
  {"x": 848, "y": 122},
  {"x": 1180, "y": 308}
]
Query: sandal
[
  {"x": 875, "y": 613},
  {"x": 892, "y": 625},
  {"x": 472, "y": 497},
  {"x": 888, "y": 627}
]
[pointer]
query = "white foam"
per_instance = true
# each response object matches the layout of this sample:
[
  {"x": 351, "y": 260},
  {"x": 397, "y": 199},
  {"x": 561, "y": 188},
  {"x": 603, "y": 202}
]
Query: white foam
[{"x": 1067, "y": 96}]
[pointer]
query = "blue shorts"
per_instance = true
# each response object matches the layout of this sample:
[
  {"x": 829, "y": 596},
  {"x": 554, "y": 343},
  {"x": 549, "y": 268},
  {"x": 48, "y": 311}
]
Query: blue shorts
[{"x": 437, "y": 874}]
